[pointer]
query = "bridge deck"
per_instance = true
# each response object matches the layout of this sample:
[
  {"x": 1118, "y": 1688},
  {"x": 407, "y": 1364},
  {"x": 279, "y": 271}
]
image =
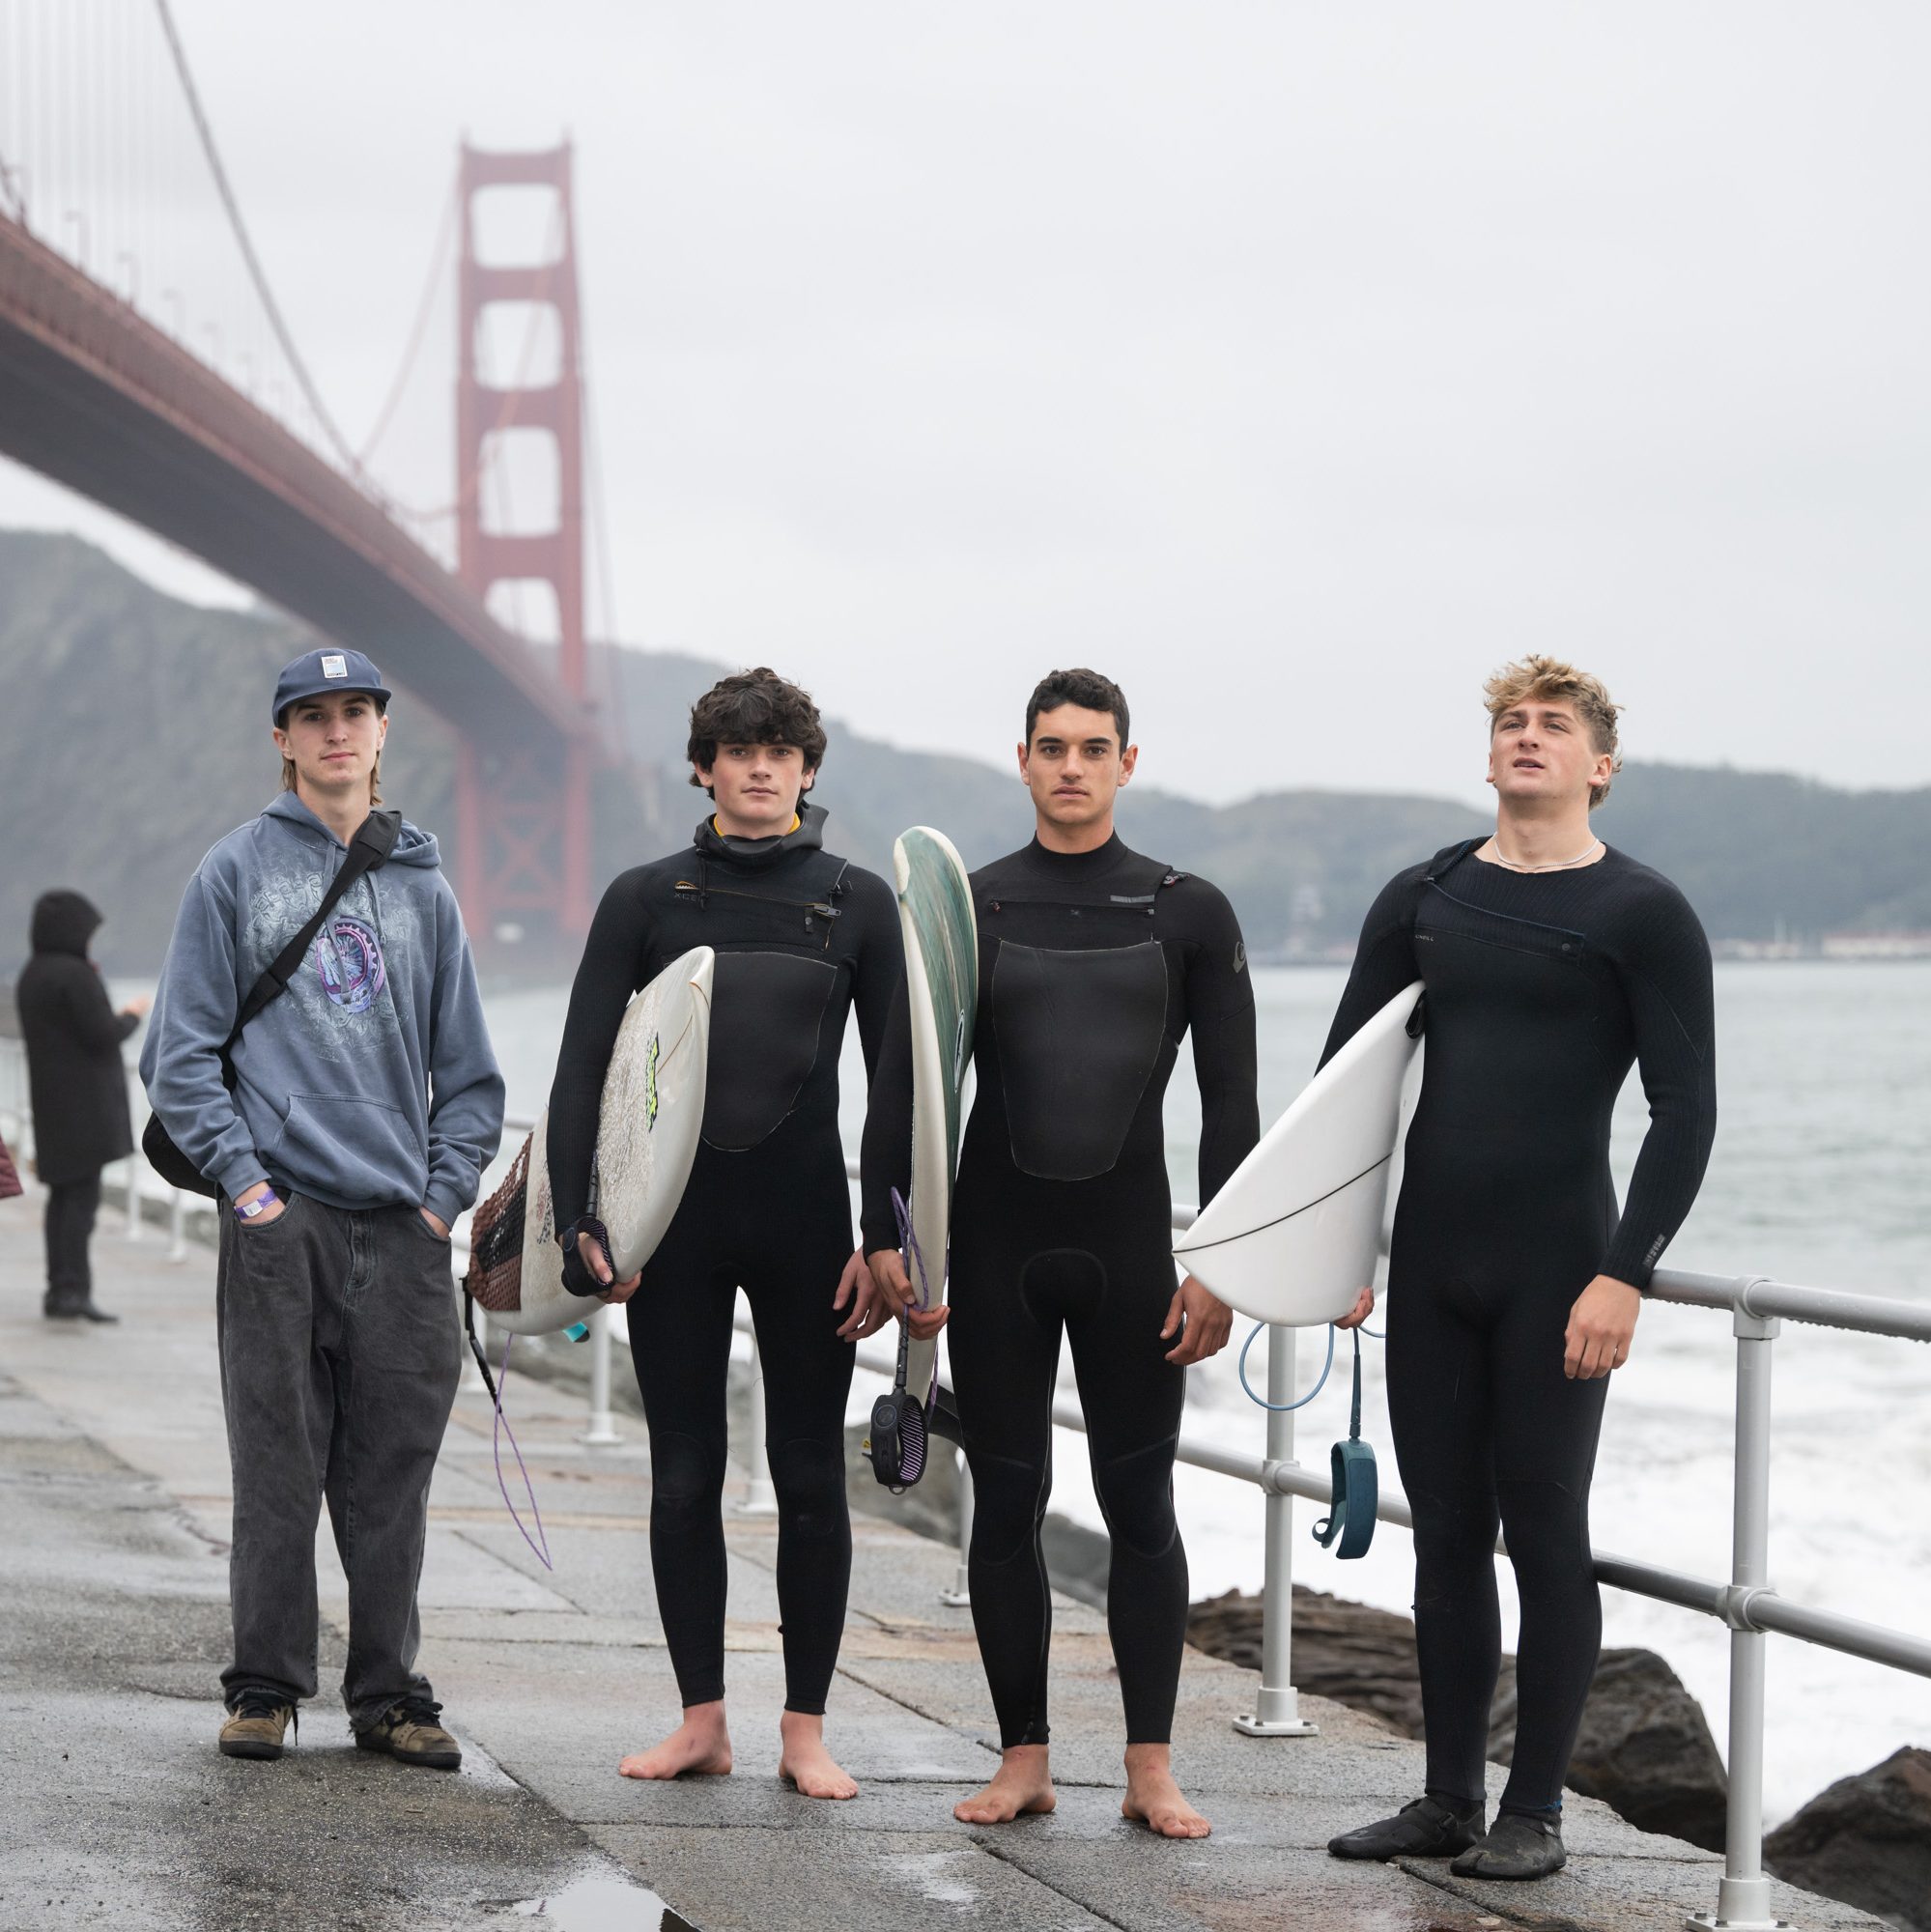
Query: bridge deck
[{"x": 113, "y": 1514}]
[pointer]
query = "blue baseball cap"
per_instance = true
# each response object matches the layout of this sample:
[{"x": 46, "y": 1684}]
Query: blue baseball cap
[{"x": 317, "y": 672}]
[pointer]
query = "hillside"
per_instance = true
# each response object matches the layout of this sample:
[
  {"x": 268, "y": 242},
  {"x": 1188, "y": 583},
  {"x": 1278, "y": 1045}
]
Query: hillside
[{"x": 134, "y": 733}]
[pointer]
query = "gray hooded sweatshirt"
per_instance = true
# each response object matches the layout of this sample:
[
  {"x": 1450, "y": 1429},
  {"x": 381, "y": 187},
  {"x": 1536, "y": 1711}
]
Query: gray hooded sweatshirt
[{"x": 371, "y": 1082}]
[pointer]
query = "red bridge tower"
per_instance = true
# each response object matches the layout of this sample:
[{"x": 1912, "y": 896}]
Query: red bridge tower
[{"x": 524, "y": 846}]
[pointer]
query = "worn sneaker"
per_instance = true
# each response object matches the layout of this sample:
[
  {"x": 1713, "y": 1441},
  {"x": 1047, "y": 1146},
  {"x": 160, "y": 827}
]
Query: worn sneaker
[
  {"x": 255, "y": 1727},
  {"x": 407, "y": 1731},
  {"x": 1427, "y": 1829},
  {"x": 1516, "y": 1847}
]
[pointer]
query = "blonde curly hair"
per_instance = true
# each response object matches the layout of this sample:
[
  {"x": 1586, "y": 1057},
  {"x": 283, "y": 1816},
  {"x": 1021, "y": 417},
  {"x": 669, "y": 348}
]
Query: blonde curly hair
[{"x": 1540, "y": 677}]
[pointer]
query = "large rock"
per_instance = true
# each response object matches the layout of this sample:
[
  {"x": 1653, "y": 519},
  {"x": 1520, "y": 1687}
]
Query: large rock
[
  {"x": 1867, "y": 1841},
  {"x": 1645, "y": 1749}
]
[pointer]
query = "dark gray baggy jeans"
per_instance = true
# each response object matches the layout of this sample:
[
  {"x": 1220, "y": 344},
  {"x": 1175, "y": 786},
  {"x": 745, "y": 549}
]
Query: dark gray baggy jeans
[{"x": 340, "y": 1351}]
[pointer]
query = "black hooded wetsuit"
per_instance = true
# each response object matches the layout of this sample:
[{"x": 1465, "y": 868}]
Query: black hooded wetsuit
[
  {"x": 802, "y": 938},
  {"x": 1541, "y": 988},
  {"x": 1091, "y": 967}
]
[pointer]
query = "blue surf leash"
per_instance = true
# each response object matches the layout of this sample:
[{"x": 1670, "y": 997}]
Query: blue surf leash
[{"x": 1356, "y": 1486}]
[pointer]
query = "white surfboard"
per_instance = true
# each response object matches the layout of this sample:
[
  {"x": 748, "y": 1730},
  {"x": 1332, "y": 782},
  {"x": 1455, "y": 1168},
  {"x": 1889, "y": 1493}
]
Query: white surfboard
[
  {"x": 935, "y": 917},
  {"x": 1292, "y": 1236},
  {"x": 647, "y": 1128}
]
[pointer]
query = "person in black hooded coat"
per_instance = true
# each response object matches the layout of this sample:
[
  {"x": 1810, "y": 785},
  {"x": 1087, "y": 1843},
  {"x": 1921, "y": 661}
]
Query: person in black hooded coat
[{"x": 80, "y": 1089}]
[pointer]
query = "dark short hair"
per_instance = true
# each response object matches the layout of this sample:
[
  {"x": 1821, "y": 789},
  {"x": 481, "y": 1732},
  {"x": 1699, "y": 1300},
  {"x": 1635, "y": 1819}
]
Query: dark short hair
[
  {"x": 1085, "y": 687},
  {"x": 755, "y": 707}
]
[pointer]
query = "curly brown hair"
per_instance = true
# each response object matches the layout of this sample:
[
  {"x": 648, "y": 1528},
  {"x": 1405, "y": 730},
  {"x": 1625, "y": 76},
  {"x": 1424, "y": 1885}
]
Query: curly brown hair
[
  {"x": 1545, "y": 677},
  {"x": 755, "y": 707}
]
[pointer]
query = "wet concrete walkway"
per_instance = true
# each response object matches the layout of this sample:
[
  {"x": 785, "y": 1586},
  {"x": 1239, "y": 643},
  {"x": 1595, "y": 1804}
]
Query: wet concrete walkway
[{"x": 114, "y": 1804}]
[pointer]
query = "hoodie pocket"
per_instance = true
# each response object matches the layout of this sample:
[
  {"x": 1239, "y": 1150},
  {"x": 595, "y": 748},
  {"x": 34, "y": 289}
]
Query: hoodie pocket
[{"x": 363, "y": 1152}]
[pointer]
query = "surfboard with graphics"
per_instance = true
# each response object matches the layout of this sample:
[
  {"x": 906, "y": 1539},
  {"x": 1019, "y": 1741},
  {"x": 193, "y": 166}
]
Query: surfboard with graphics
[
  {"x": 647, "y": 1127},
  {"x": 941, "y": 935},
  {"x": 1294, "y": 1234}
]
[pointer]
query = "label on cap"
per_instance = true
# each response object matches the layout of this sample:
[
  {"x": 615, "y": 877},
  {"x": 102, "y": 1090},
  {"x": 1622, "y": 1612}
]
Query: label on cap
[{"x": 335, "y": 665}]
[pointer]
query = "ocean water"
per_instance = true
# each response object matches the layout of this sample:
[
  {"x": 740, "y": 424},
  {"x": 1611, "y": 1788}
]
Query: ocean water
[{"x": 1821, "y": 1175}]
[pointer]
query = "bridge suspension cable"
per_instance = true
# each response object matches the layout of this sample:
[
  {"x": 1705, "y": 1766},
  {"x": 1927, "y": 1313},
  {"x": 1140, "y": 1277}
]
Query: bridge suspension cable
[{"x": 297, "y": 367}]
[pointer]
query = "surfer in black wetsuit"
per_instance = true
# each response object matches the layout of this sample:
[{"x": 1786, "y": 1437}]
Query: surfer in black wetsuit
[
  {"x": 802, "y": 938},
  {"x": 1094, "y": 964},
  {"x": 1551, "y": 963}
]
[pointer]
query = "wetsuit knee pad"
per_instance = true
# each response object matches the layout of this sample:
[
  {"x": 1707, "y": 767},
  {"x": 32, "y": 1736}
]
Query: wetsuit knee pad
[
  {"x": 685, "y": 1472},
  {"x": 1008, "y": 1504},
  {"x": 1136, "y": 1497},
  {"x": 809, "y": 1479},
  {"x": 1451, "y": 1544},
  {"x": 1547, "y": 1527}
]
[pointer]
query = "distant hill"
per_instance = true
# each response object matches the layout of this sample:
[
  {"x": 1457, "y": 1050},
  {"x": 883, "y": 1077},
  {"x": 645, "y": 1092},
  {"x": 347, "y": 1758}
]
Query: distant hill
[{"x": 135, "y": 732}]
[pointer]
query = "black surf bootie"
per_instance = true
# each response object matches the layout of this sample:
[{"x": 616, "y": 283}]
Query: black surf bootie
[
  {"x": 1427, "y": 1829},
  {"x": 1516, "y": 1847}
]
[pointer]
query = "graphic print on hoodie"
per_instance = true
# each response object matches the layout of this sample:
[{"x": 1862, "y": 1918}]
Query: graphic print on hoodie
[{"x": 370, "y": 1082}]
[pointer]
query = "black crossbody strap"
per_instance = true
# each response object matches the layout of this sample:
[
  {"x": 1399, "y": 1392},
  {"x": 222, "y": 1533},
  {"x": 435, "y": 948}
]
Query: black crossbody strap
[{"x": 372, "y": 843}]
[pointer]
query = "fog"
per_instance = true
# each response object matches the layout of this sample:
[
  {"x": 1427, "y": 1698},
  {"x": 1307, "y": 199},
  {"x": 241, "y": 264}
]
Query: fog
[{"x": 1294, "y": 364}]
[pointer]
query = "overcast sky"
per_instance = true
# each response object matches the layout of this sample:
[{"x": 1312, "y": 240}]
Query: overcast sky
[{"x": 1294, "y": 364}]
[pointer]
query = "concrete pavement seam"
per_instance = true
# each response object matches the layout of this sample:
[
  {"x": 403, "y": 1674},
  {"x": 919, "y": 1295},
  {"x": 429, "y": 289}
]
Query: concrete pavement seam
[{"x": 991, "y": 1849}]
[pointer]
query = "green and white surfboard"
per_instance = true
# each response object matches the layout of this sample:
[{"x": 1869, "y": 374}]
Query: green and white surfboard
[{"x": 942, "y": 977}]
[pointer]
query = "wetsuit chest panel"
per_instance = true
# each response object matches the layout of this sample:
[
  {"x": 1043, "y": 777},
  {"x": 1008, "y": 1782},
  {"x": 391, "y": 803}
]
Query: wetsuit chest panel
[
  {"x": 1079, "y": 1036},
  {"x": 767, "y": 1012}
]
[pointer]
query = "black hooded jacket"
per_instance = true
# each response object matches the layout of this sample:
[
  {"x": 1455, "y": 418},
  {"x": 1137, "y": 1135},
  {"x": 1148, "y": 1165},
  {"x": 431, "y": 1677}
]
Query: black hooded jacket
[{"x": 74, "y": 1046}]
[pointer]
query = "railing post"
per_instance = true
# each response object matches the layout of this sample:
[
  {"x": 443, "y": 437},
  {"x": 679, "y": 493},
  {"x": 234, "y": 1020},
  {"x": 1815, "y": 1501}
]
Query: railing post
[
  {"x": 960, "y": 1594},
  {"x": 1276, "y": 1711},
  {"x": 759, "y": 1498},
  {"x": 1743, "y": 1893},
  {"x": 602, "y": 1430},
  {"x": 176, "y": 1225},
  {"x": 133, "y": 1083},
  {"x": 133, "y": 1197}
]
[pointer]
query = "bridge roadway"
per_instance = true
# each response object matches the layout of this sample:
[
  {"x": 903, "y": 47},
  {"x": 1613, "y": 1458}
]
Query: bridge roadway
[
  {"x": 98, "y": 399},
  {"x": 114, "y": 1506}
]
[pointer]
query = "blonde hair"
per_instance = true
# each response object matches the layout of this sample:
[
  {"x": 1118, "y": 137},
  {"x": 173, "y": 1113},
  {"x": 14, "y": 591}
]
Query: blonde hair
[{"x": 1546, "y": 678}]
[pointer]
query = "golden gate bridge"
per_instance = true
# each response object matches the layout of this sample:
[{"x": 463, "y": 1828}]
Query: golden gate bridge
[{"x": 146, "y": 363}]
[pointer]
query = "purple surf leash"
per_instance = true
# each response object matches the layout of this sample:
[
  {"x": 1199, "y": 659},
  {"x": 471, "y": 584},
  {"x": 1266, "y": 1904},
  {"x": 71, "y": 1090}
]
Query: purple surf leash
[
  {"x": 908, "y": 1247},
  {"x": 498, "y": 1428}
]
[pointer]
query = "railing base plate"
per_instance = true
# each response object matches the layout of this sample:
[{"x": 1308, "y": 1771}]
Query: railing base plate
[
  {"x": 1251, "y": 1726},
  {"x": 1708, "y": 1921}
]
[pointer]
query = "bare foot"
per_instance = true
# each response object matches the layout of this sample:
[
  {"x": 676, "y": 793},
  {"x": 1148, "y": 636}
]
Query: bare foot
[
  {"x": 701, "y": 1745},
  {"x": 806, "y": 1762},
  {"x": 1021, "y": 1787},
  {"x": 1152, "y": 1797}
]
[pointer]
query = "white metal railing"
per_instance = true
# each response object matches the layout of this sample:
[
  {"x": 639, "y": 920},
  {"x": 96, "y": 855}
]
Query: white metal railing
[{"x": 1745, "y": 1601}]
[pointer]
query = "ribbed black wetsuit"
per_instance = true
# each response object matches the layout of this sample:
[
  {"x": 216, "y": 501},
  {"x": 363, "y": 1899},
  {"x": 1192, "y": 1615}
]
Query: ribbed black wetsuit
[
  {"x": 801, "y": 937},
  {"x": 1541, "y": 991},
  {"x": 1091, "y": 967}
]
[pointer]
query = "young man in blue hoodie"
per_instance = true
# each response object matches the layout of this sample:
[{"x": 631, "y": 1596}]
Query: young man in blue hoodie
[{"x": 365, "y": 1104}]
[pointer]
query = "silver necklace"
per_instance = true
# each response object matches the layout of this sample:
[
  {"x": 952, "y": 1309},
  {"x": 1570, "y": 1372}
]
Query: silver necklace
[{"x": 1554, "y": 865}]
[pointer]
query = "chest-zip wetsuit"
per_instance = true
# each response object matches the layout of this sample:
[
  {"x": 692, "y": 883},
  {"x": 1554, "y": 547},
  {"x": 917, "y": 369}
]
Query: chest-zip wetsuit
[
  {"x": 1091, "y": 967},
  {"x": 1541, "y": 989},
  {"x": 802, "y": 938}
]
